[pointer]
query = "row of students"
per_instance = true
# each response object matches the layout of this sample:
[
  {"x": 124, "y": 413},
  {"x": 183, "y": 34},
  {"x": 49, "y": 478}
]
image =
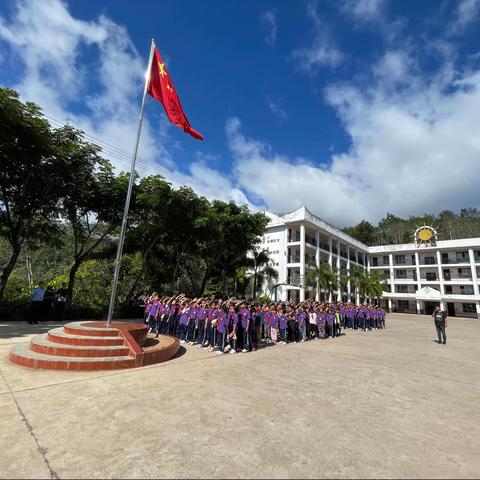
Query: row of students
[{"x": 237, "y": 325}]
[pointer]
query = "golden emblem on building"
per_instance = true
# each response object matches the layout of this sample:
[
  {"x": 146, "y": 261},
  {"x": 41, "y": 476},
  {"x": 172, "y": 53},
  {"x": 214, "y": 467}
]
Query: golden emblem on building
[{"x": 425, "y": 236}]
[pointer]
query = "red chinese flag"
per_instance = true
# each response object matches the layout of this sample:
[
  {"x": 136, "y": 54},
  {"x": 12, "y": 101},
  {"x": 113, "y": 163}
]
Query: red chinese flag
[{"x": 160, "y": 86}]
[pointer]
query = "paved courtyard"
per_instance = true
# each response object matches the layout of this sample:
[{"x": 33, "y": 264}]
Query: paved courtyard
[{"x": 387, "y": 403}]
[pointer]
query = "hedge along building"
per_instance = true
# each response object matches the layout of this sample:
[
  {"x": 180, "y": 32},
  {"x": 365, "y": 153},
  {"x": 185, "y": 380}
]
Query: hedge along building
[{"x": 418, "y": 275}]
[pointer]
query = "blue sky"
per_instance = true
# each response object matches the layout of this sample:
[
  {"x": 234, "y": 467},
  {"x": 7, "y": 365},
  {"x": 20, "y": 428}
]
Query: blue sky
[{"x": 352, "y": 107}]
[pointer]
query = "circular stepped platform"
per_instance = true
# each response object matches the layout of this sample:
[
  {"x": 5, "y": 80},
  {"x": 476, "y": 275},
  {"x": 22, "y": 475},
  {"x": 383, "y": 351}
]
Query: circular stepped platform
[{"x": 92, "y": 346}]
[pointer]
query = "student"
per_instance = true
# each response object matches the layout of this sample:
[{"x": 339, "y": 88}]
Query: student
[
  {"x": 321, "y": 323},
  {"x": 214, "y": 317},
  {"x": 183, "y": 323},
  {"x": 329, "y": 323},
  {"x": 192, "y": 324},
  {"x": 222, "y": 327},
  {"x": 282, "y": 325},
  {"x": 233, "y": 320},
  {"x": 152, "y": 313},
  {"x": 201, "y": 316},
  {"x": 274, "y": 321},
  {"x": 300, "y": 317},
  {"x": 312, "y": 320},
  {"x": 247, "y": 338}
]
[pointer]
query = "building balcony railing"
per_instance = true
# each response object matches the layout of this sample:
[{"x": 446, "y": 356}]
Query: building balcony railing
[
  {"x": 449, "y": 278},
  {"x": 451, "y": 261}
]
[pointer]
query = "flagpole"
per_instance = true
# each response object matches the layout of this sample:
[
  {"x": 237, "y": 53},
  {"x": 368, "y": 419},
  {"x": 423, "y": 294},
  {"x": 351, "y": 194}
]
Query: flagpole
[{"x": 121, "y": 240}]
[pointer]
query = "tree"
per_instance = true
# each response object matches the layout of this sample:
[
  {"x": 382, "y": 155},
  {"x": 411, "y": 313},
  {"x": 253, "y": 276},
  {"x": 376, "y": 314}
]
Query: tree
[
  {"x": 34, "y": 177},
  {"x": 256, "y": 263},
  {"x": 148, "y": 227},
  {"x": 321, "y": 278},
  {"x": 371, "y": 284},
  {"x": 223, "y": 234},
  {"x": 262, "y": 271},
  {"x": 93, "y": 206},
  {"x": 363, "y": 232}
]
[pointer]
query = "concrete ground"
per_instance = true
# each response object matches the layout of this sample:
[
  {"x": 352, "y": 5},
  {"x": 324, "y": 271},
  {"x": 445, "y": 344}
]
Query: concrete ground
[{"x": 389, "y": 403}]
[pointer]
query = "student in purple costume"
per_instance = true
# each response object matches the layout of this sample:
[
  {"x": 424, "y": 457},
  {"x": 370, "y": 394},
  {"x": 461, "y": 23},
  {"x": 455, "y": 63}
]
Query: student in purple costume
[
  {"x": 300, "y": 317},
  {"x": 246, "y": 323},
  {"x": 183, "y": 322},
  {"x": 274, "y": 317},
  {"x": 321, "y": 323},
  {"x": 214, "y": 317},
  {"x": 192, "y": 323},
  {"x": 329, "y": 323},
  {"x": 233, "y": 320},
  {"x": 222, "y": 329},
  {"x": 282, "y": 326},
  {"x": 152, "y": 314},
  {"x": 201, "y": 316}
]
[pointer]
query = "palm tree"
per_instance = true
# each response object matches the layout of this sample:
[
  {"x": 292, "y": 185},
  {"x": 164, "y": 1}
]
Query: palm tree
[
  {"x": 261, "y": 269},
  {"x": 357, "y": 276},
  {"x": 321, "y": 278},
  {"x": 372, "y": 284},
  {"x": 269, "y": 275}
]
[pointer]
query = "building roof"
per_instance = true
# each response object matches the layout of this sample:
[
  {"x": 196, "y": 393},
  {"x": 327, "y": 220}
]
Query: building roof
[{"x": 303, "y": 214}]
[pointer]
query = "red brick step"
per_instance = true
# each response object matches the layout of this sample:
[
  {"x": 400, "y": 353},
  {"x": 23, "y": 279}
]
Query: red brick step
[
  {"x": 41, "y": 344},
  {"x": 58, "y": 335}
]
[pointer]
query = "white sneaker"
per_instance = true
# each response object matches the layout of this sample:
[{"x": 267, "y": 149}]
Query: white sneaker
[
  {"x": 182, "y": 341},
  {"x": 227, "y": 348},
  {"x": 219, "y": 352},
  {"x": 232, "y": 351},
  {"x": 244, "y": 350}
]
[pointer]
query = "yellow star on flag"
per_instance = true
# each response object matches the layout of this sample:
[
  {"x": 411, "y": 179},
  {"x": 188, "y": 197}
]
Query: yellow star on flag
[
  {"x": 163, "y": 72},
  {"x": 169, "y": 87}
]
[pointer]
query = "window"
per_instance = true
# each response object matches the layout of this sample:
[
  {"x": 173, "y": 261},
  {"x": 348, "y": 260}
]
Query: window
[
  {"x": 466, "y": 289},
  {"x": 448, "y": 289},
  {"x": 402, "y": 288},
  {"x": 399, "y": 260},
  {"x": 386, "y": 273},
  {"x": 461, "y": 256},
  {"x": 386, "y": 261},
  {"x": 468, "y": 307},
  {"x": 401, "y": 274},
  {"x": 431, "y": 276},
  {"x": 403, "y": 305},
  {"x": 413, "y": 260},
  {"x": 429, "y": 260}
]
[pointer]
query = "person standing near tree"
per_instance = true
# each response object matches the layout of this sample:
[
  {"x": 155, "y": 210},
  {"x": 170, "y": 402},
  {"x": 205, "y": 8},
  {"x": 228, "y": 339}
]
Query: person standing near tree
[
  {"x": 440, "y": 319},
  {"x": 37, "y": 303},
  {"x": 60, "y": 303}
]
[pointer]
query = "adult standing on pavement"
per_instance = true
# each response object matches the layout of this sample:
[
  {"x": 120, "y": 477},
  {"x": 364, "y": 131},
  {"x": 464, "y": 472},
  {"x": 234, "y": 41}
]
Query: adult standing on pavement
[
  {"x": 440, "y": 319},
  {"x": 37, "y": 302},
  {"x": 61, "y": 303}
]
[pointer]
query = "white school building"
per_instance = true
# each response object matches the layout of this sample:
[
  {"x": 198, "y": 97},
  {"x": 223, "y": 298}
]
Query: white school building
[{"x": 419, "y": 275}]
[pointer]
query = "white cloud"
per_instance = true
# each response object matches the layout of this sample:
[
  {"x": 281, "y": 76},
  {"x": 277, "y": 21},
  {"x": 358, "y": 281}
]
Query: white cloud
[
  {"x": 321, "y": 52},
  {"x": 364, "y": 10},
  {"x": 269, "y": 22},
  {"x": 466, "y": 13},
  {"x": 275, "y": 106},
  {"x": 413, "y": 150},
  {"x": 50, "y": 44}
]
